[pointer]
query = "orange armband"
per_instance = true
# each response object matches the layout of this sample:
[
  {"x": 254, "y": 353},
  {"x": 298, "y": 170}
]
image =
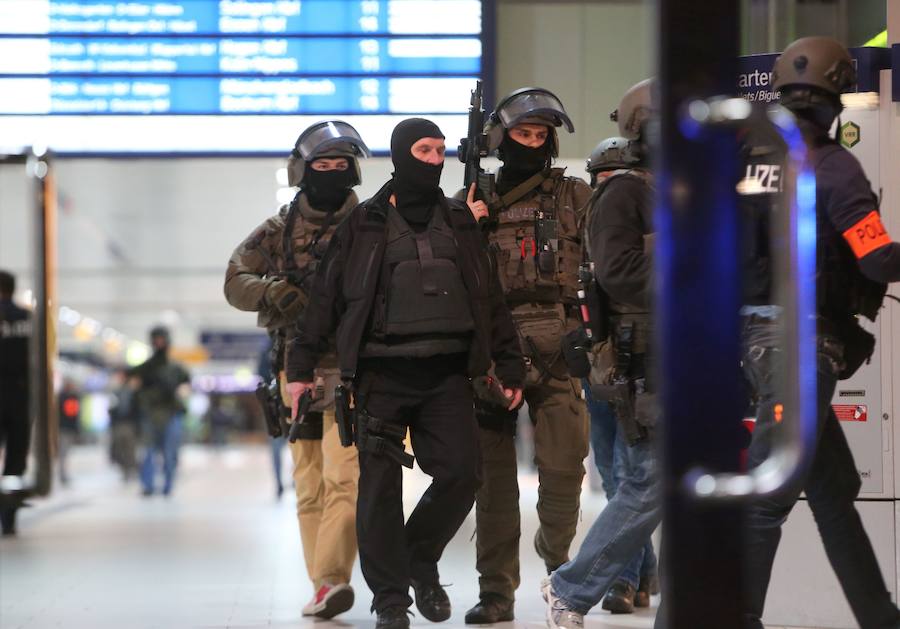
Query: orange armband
[{"x": 867, "y": 235}]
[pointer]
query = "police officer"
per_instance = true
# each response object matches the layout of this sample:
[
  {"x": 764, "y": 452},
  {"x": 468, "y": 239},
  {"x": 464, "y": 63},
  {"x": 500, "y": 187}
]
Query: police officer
[
  {"x": 271, "y": 272},
  {"x": 535, "y": 234},
  {"x": 614, "y": 157},
  {"x": 412, "y": 291},
  {"x": 163, "y": 385},
  {"x": 855, "y": 260},
  {"x": 15, "y": 424},
  {"x": 618, "y": 236}
]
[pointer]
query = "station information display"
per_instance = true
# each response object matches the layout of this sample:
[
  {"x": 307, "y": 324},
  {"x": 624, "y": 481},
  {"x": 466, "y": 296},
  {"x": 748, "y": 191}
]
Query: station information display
[{"x": 231, "y": 76}]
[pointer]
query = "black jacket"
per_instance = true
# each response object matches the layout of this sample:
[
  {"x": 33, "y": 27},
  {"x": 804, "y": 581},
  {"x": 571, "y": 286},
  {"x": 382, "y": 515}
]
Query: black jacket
[
  {"x": 346, "y": 281},
  {"x": 844, "y": 199},
  {"x": 619, "y": 225},
  {"x": 15, "y": 330}
]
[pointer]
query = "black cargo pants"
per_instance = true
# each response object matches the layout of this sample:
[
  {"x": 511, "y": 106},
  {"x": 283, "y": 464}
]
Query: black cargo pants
[
  {"x": 445, "y": 442},
  {"x": 15, "y": 427}
]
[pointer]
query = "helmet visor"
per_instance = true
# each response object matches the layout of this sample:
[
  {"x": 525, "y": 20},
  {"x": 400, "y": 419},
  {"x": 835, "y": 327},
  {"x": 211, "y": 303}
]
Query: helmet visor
[
  {"x": 534, "y": 107},
  {"x": 333, "y": 135}
]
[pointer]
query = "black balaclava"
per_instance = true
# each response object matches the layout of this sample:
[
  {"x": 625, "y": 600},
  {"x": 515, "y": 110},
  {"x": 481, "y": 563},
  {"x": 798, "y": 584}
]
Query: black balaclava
[
  {"x": 520, "y": 162},
  {"x": 416, "y": 184},
  {"x": 328, "y": 189}
]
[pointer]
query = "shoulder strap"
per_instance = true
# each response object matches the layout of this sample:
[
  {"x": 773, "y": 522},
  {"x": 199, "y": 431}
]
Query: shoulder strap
[
  {"x": 287, "y": 248},
  {"x": 521, "y": 190}
]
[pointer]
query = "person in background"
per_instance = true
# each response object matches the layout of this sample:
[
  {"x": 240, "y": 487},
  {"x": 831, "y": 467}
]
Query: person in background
[
  {"x": 69, "y": 425},
  {"x": 123, "y": 424},
  {"x": 15, "y": 427},
  {"x": 163, "y": 387}
]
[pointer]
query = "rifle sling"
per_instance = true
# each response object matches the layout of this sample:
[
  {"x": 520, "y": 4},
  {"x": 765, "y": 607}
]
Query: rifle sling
[{"x": 520, "y": 191}]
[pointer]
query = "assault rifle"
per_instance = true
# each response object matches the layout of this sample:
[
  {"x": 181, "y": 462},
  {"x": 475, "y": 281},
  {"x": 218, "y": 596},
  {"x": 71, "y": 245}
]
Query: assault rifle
[{"x": 471, "y": 149}]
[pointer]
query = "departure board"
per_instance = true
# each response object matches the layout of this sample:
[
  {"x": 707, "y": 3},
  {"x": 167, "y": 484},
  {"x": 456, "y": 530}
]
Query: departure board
[{"x": 232, "y": 76}]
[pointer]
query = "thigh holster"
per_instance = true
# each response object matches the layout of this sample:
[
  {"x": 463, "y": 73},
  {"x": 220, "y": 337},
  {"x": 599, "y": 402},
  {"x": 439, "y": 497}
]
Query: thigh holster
[
  {"x": 311, "y": 429},
  {"x": 378, "y": 436}
]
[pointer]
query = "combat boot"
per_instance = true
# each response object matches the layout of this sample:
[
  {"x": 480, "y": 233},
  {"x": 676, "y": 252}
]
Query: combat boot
[
  {"x": 620, "y": 598},
  {"x": 490, "y": 609},
  {"x": 648, "y": 586},
  {"x": 393, "y": 617},
  {"x": 432, "y": 601}
]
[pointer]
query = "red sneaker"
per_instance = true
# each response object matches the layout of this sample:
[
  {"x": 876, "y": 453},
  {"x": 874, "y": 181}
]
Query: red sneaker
[{"x": 330, "y": 601}]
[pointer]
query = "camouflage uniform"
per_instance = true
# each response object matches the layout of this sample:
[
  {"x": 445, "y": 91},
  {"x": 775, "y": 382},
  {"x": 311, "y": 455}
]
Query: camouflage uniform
[
  {"x": 543, "y": 304},
  {"x": 325, "y": 474}
]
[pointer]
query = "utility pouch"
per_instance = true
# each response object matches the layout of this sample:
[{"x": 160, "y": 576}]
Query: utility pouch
[
  {"x": 646, "y": 409},
  {"x": 603, "y": 362},
  {"x": 593, "y": 302},
  {"x": 620, "y": 395},
  {"x": 575, "y": 346},
  {"x": 546, "y": 236},
  {"x": 858, "y": 348}
]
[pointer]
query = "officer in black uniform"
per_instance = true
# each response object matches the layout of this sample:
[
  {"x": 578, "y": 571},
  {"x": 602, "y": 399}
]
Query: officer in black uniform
[
  {"x": 855, "y": 261},
  {"x": 409, "y": 285},
  {"x": 15, "y": 426}
]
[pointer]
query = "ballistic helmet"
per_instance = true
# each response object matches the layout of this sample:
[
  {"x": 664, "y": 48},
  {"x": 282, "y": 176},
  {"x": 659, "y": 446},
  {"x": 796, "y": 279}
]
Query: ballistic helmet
[
  {"x": 529, "y": 105},
  {"x": 636, "y": 107},
  {"x": 610, "y": 154},
  {"x": 819, "y": 62},
  {"x": 330, "y": 138}
]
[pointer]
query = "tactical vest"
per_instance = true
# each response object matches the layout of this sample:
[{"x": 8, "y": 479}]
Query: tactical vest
[
  {"x": 538, "y": 244},
  {"x": 303, "y": 243},
  {"x": 842, "y": 291},
  {"x": 421, "y": 305},
  {"x": 295, "y": 245}
]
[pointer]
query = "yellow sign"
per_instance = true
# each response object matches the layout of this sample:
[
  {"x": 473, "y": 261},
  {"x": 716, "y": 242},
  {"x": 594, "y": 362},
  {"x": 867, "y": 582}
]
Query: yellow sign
[{"x": 850, "y": 135}]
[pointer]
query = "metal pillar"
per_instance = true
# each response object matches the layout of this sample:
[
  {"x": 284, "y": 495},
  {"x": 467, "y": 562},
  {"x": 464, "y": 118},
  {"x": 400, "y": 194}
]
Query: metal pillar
[{"x": 697, "y": 314}]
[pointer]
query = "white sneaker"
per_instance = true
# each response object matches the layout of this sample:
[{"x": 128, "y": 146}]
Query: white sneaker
[
  {"x": 559, "y": 616},
  {"x": 330, "y": 601}
]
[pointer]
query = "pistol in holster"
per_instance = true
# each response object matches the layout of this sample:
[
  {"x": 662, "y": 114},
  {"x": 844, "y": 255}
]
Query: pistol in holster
[
  {"x": 297, "y": 426},
  {"x": 344, "y": 416},
  {"x": 269, "y": 397},
  {"x": 620, "y": 392},
  {"x": 378, "y": 436},
  {"x": 370, "y": 434}
]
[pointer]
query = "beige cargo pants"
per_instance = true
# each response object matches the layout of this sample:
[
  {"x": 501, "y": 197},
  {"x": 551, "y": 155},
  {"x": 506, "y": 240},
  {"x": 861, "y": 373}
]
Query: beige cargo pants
[{"x": 325, "y": 480}]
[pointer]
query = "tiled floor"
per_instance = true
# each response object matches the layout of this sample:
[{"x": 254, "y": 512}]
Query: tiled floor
[{"x": 221, "y": 552}]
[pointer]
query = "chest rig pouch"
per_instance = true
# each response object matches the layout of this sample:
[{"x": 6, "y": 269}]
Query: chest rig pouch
[
  {"x": 303, "y": 246},
  {"x": 421, "y": 289},
  {"x": 538, "y": 244}
]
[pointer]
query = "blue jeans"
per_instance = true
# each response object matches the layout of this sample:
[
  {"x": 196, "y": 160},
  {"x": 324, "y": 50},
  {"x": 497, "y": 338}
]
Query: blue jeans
[
  {"x": 277, "y": 445},
  {"x": 619, "y": 533},
  {"x": 831, "y": 484},
  {"x": 608, "y": 456},
  {"x": 163, "y": 441}
]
